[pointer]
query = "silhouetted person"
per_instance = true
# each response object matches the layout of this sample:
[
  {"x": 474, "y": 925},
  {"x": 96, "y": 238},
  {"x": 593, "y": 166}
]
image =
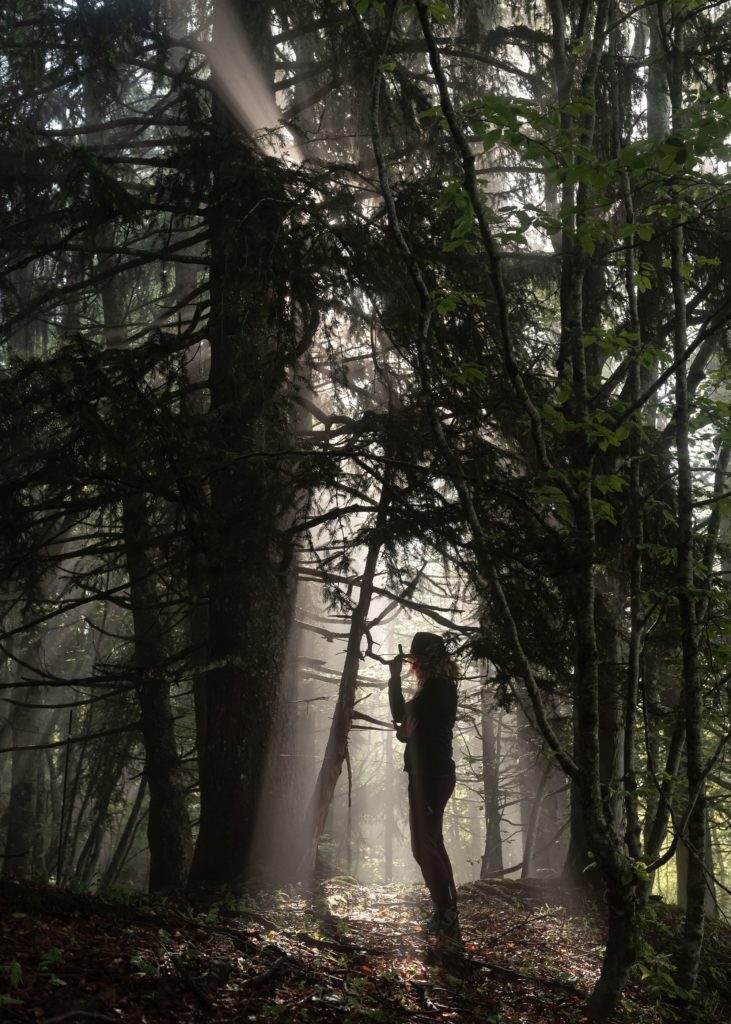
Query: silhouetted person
[{"x": 425, "y": 725}]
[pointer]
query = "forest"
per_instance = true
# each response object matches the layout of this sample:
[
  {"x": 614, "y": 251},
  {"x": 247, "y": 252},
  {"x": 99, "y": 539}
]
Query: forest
[{"x": 324, "y": 323}]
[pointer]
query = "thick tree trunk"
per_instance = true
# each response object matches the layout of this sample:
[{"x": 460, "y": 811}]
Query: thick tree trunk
[
  {"x": 250, "y": 613},
  {"x": 250, "y": 549},
  {"x": 620, "y": 951}
]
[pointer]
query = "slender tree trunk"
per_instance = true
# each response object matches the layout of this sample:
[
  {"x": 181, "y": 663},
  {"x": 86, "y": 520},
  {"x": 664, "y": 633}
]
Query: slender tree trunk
[
  {"x": 388, "y": 823},
  {"x": 70, "y": 832},
  {"x": 492, "y": 858},
  {"x": 584, "y": 769},
  {"x": 194, "y": 409},
  {"x": 121, "y": 850},
  {"x": 337, "y": 742},
  {"x": 21, "y": 824},
  {"x": 530, "y": 827},
  {"x": 168, "y": 823},
  {"x": 603, "y": 841},
  {"x": 653, "y": 303},
  {"x": 611, "y": 600},
  {"x": 168, "y": 826},
  {"x": 692, "y": 688},
  {"x": 711, "y": 902},
  {"x": 104, "y": 783},
  {"x": 29, "y": 726},
  {"x": 656, "y": 824}
]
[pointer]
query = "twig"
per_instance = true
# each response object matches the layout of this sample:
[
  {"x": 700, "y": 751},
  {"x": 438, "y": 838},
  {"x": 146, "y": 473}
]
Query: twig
[
  {"x": 276, "y": 968},
  {"x": 132, "y": 727},
  {"x": 81, "y": 1015}
]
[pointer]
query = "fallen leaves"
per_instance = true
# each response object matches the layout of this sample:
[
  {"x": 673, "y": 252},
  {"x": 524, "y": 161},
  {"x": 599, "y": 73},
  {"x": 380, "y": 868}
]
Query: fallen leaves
[{"x": 340, "y": 954}]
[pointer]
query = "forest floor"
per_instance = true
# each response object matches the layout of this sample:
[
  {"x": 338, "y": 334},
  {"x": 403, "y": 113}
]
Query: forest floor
[{"x": 340, "y": 952}]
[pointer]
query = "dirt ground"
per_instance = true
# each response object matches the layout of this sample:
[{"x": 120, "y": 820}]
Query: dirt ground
[{"x": 340, "y": 952}]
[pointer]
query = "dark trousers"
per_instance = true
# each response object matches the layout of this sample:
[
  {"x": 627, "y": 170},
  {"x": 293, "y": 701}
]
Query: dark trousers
[{"x": 428, "y": 796}]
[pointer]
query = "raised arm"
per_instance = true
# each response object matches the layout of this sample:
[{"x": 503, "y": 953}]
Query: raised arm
[{"x": 395, "y": 696}]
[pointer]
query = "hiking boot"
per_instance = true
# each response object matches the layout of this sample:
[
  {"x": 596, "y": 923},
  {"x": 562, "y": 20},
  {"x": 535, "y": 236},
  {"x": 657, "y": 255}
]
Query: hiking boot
[
  {"x": 442, "y": 921},
  {"x": 449, "y": 923},
  {"x": 431, "y": 924}
]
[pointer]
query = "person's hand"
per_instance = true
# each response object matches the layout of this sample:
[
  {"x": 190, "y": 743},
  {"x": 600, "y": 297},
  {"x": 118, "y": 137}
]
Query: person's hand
[{"x": 394, "y": 666}]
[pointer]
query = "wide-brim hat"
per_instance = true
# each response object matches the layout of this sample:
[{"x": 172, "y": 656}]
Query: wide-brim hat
[{"x": 427, "y": 645}]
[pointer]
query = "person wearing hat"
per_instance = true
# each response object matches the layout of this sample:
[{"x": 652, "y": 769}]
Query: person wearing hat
[{"x": 425, "y": 725}]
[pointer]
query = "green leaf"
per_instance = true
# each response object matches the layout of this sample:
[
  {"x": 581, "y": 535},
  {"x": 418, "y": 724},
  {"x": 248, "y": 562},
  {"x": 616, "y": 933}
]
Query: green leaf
[
  {"x": 609, "y": 484},
  {"x": 435, "y": 111},
  {"x": 471, "y": 372},
  {"x": 490, "y": 138},
  {"x": 10, "y": 1001},
  {"x": 439, "y": 11},
  {"x": 15, "y": 974},
  {"x": 603, "y": 510},
  {"x": 587, "y": 243},
  {"x": 460, "y": 243},
  {"x": 553, "y": 497},
  {"x": 51, "y": 957}
]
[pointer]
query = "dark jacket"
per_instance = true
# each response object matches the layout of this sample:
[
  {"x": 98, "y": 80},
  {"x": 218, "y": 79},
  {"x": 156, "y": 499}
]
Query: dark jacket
[{"x": 425, "y": 725}]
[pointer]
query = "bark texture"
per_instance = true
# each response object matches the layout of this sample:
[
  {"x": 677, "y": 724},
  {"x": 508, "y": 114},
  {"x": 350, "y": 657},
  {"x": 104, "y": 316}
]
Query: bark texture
[{"x": 252, "y": 497}]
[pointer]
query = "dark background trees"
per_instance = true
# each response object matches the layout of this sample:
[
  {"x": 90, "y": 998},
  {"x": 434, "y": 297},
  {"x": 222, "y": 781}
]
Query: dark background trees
[{"x": 446, "y": 345}]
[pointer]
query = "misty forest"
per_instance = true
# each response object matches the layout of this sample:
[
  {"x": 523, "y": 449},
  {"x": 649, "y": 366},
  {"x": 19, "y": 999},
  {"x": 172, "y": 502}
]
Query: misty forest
[{"x": 326, "y": 323}]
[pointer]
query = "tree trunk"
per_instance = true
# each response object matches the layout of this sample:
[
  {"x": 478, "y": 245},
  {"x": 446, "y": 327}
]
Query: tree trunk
[
  {"x": 21, "y": 824},
  {"x": 253, "y": 499},
  {"x": 337, "y": 742},
  {"x": 492, "y": 858},
  {"x": 29, "y": 726},
  {"x": 104, "y": 783},
  {"x": 683, "y": 876},
  {"x": 692, "y": 688},
  {"x": 124, "y": 842},
  {"x": 620, "y": 952},
  {"x": 530, "y": 824},
  {"x": 388, "y": 809},
  {"x": 168, "y": 823},
  {"x": 612, "y": 692}
]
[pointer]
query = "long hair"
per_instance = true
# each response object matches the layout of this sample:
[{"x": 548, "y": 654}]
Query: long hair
[{"x": 434, "y": 666}]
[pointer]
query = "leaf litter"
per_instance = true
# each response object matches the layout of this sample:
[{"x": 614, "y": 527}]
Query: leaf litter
[{"x": 338, "y": 952}]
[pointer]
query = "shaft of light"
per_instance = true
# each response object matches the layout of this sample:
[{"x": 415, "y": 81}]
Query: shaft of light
[{"x": 239, "y": 82}]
